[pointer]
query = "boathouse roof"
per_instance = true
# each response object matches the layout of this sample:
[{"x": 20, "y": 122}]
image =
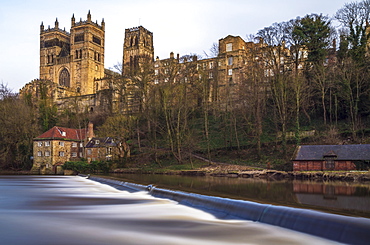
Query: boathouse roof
[{"x": 339, "y": 152}]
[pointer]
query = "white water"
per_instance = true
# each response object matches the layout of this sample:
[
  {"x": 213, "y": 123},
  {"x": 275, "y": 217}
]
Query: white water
[{"x": 73, "y": 210}]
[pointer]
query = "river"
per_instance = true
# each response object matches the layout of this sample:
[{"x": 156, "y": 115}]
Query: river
[
  {"x": 345, "y": 198},
  {"x": 74, "y": 210}
]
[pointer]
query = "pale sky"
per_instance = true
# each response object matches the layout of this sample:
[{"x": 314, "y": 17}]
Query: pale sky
[{"x": 183, "y": 27}]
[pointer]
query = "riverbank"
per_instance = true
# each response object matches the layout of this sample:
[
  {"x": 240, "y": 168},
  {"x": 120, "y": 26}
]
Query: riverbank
[{"x": 236, "y": 171}]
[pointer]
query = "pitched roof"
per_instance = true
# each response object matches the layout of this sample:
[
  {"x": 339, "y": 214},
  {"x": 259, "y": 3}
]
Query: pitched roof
[
  {"x": 64, "y": 133},
  {"x": 342, "y": 152},
  {"x": 101, "y": 142}
]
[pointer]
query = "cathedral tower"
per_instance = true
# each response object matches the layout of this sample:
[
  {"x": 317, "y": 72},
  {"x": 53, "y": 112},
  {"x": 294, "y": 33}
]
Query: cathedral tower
[
  {"x": 73, "y": 60},
  {"x": 137, "y": 49}
]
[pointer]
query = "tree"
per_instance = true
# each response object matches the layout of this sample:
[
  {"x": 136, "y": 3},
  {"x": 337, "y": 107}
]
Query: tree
[
  {"x": 314, "y": 32},
  {"x": 122, "y": 129},
  {"x": 17, "y": 129},
  {"x": 277, "y": 74},
  {"x": 353, "y": 66},
  {"x": 354, "y": 17},
  {"x": 254, "y": 92}
]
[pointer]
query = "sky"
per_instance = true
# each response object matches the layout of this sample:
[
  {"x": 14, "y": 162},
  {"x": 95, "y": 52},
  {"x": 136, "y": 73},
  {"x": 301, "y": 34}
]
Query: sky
[{"x": 179, "y": 26}]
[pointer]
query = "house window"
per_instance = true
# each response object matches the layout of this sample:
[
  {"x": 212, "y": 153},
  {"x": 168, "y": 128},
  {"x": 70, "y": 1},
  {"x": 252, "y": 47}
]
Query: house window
[
  {"x": 81, "y": 145},
  {"x": 88, "y": 151},
  {"x": 97, "y": 142},
  {"x": 47, "y": 153},
  {"x": 230, "y": 61},
  {"x": 210, "y": 75},
  {"x": 39, "y": 143},
  {"x": 61, "y": 153},
  {"x": 156, "y": 72},
  {"x": 47, "y": 143},
  {"x": 61, "y": 143},
  {"x": 229, "y": 47},
  {"x": 39, "y": 153},
  {"x": 210, "y": 65},
  {"x": 74, "y": 144},
  {"x": 230, "y": 72},
  {"x": 81, "y": 154},
  {"x": 74, "y": 154}
]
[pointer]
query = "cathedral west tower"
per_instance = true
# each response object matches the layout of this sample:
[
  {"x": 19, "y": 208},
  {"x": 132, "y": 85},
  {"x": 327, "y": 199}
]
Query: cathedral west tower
[{"x": 73, "y": 60}]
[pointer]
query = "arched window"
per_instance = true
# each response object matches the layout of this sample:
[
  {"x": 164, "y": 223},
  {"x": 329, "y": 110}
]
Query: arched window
[{"x": 64, "y": 78}]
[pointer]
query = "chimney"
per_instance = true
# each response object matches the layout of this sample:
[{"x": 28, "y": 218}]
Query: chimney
[
  {"x": 90, "y": 131},
  {"x": 172, "y": 55}
]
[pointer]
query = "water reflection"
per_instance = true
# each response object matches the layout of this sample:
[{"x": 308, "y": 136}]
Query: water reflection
[
  {"x": 337, "y": 196},
  {"x": 346, "y": 198}
]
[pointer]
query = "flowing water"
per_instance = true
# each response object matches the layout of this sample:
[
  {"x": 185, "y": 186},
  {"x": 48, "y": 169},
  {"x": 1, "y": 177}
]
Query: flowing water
[
  {"x": 74, "y": 210},
  {"x": 346, "y": 198}
]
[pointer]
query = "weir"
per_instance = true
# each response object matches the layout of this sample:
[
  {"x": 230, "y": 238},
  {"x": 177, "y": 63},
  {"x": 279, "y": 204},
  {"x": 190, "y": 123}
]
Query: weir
[{"x": 344, "y": 229}]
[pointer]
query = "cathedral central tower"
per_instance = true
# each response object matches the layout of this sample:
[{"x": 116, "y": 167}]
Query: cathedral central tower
[{"x": 137, "y": 49}]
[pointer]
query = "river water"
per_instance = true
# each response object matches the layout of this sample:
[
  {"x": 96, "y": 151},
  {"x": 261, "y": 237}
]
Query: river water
[
  {"x": 74, "y": 210},
  {"x": 345, "y": 198}
]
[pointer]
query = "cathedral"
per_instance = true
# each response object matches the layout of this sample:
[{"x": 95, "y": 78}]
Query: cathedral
[{"x": 72, "y": 73}]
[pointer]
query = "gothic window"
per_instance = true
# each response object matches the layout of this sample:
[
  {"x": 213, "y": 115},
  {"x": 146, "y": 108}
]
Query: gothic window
[{"x": 64, "y": 78}]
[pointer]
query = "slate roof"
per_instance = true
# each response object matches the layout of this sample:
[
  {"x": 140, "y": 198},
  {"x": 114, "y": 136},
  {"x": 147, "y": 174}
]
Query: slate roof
[
  {"x": 343, "y": 152},
  {"x": 64, "y": 133},
  {"x": 103, "y": 142}
]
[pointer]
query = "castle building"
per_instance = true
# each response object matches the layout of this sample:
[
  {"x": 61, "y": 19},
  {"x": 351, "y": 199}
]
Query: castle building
[{"x": 72, "y": 69}]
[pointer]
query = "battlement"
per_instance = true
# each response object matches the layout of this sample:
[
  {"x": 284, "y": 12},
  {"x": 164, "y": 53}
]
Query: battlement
[
  {"x": 88, "y": 21},
  {"x": 81, "y": 23},
  {"x": 55, "y": 30},
  {"x": 133, "y": 29}
]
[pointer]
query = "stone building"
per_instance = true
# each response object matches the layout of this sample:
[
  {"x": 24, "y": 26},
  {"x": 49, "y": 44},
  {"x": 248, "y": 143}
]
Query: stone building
[
  {"x": 72, "y": 70},
  {"x": 58, "y": 145},
  {"x": 75, "y": 59},
  {"x": 101, "y": 149},
  {"x": 72, "y": 67}
]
